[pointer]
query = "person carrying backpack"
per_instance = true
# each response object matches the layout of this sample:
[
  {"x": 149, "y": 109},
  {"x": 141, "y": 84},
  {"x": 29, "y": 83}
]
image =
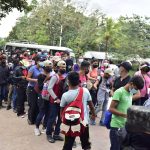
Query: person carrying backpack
[
  {"x": 103, "y": 85},
  {"x": 19, "y": 77},
  {"x": 55, "y": 89},
  {"x": 43, "y": 99},
  {"x": 74, "y": 113}
]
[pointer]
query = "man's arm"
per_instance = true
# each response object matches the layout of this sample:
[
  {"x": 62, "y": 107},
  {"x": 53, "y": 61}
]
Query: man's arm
[
  {"x": 61, "y": 111},
  {"x": 52, "y": 82},
  {"x": 90, "y": 103},
  {"x": 114, "y": 111}
]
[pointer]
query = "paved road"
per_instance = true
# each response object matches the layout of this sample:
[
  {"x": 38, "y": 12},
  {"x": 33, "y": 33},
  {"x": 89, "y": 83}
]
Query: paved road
[{"x": 16, "y": 134}]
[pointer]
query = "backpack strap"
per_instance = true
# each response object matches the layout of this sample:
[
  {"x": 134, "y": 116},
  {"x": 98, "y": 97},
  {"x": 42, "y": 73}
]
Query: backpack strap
[{"x": 80, "y": 95}]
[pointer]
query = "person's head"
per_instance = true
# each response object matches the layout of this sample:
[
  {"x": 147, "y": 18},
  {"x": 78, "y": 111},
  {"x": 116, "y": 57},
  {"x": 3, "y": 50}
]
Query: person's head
[
  {"x": 64, "y": 56},
  {"x": 80, "y": 60},
  {"x": 3, "y": 60},
  {"x": 26, "y": 54},
  {"x": 124, "y": 68},
  {"x": 94, "y": 63},
  {"x": 73, "y": 79},
  {"x": 145, "y": 67},
  {"x": 108, "y": 73},
  {"x": 36, "y": 59},
  {"x": 85, "y": 65},
  {"x": 15, "y": 62},
  {"x": 136, "y": 83},
  {"x": 61, "y": 66},
  {"x": 47, "y": 66}
]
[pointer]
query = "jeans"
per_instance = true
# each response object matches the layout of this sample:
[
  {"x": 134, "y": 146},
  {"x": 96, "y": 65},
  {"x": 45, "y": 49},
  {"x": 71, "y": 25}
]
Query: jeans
[
  {"x": 14, "y": 97},
  {"x": 93, "y": 93},
  {"x": 10, "y": 92},
  {"x": 21, "y": 98},
  {"x": 32, "y": 98},
  {"x": 43, "y": 112},
  {"x": 114, "y": 139},
  {"x": 54, "y": 114},
  {"x": 84, "y": 138},
  {"x": 3, "y": 93},
  {"x": 102, "y": 106}
]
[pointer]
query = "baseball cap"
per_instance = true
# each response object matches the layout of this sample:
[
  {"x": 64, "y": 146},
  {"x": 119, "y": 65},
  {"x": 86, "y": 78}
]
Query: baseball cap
[
  {"x": 47, "y": 63},
  {"x": 56, "y": 58},
  {"x": 61, "y": 63},
  {"x": 25, "y": 63},
  {"x": 127, "y": 65},
  {"x": 109, "y": 71}
]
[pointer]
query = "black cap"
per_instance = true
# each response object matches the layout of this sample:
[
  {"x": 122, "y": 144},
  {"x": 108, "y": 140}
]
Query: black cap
[{"x": 126, "y": 65}]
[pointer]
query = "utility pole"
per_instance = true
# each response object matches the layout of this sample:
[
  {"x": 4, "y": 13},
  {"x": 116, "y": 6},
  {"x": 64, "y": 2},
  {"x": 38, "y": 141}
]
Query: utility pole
[{"x": 60, "y": 38}]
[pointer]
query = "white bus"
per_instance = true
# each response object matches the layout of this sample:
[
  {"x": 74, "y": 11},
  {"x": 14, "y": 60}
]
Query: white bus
[{"x": 12, "y": 47}]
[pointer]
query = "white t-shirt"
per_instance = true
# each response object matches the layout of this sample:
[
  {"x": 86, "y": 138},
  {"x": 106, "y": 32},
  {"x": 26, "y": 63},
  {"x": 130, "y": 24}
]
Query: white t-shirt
[{"x": 71, "y": 95}]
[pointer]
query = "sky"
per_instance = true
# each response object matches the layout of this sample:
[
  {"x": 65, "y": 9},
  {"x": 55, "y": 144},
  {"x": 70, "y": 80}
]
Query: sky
[{"x": 113, "y": 8}]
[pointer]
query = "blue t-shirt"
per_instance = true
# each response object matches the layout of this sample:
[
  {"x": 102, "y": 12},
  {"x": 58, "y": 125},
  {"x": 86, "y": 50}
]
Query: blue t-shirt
[{"x": 35, "y": 72}]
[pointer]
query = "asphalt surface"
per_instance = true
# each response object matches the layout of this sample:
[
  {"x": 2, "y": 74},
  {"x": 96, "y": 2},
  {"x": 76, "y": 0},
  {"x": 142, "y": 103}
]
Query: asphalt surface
[{"x": 16, "y": 134}]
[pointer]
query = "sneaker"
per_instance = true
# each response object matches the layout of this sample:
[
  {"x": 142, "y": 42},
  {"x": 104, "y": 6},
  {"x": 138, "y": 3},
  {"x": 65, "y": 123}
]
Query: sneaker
[
  {"x": 58, "y": 138},
  {"x": 37, "y": 132},
  {"x": 22, "y": 116},
  {"x": 50, "y": 139},
  {"x": 14, "y": 110},
  {"x": 8, "y": 107},
  {"x": 29, "y": 122},
  {"x": 43, "y": 130},
  {"x": 101, "y": 123},
  {"x": 92, "y": 122}
]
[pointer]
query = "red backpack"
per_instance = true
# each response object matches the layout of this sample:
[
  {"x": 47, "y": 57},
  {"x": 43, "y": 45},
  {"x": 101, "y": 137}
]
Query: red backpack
[{"x": 73, "y": 117}]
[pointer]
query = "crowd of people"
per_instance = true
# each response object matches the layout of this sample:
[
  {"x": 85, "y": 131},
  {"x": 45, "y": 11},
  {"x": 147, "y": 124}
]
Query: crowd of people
[{"x": 53, "y": 86}]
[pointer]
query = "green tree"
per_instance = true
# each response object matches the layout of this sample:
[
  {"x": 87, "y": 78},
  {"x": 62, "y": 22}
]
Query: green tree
[{"x": 7, "y": 6}]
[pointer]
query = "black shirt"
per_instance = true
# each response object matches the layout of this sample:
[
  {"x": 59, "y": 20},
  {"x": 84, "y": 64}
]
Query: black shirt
[
  {"x": 118, "y": 83},
  {"x": 69, "y": 64},
  {"x": 4, "y": 74}
]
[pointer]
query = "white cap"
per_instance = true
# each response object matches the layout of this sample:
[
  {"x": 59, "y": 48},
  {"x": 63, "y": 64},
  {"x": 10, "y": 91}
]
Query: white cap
[
  {"x": 109, "y": 71},
  {"x": 61, "y": 63},
  {"x": 47, "y": 63}
]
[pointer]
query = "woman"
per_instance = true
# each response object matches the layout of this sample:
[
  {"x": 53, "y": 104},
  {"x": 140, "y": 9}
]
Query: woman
[
  {"x": 144, "y": 73},
  {"x": 42, "y": 102},
  {"x": 32, "y": 95},
  {"x": 92, "y": 76}
]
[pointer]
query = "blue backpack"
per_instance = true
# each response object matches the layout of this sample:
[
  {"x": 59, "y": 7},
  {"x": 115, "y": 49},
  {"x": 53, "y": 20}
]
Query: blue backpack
[{"x": 107, "y": 119}]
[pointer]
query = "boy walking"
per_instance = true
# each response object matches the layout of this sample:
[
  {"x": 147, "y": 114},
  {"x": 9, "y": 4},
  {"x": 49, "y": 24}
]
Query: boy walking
[{"x": 70, "y": 96}]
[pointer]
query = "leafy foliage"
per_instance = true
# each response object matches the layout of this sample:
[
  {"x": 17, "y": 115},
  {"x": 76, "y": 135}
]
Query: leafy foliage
[
  {"x": 50, "y": 21},
  {"x": 7, "y": 6}
]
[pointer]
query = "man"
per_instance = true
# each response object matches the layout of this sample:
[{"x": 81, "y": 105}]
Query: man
[
  {"x": 67, "y": 98},
  {"x": 121, "y": 101},
  {"x": 4, "y": 74},
  {"x": 124, "y": 78},
  {"x": 55, "y": 89},
  {"x": 84, "y": 70},
  {"x": 105, "y": 84},
  {"x": 69, "y": 63},
  {"x": 19, "y": 77}
]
